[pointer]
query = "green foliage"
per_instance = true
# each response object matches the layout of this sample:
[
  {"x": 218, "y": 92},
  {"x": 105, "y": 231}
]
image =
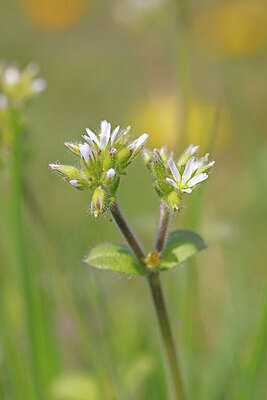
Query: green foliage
[
  {"x": 114, "y": 257},
  {"x": 181, "y": 245}
]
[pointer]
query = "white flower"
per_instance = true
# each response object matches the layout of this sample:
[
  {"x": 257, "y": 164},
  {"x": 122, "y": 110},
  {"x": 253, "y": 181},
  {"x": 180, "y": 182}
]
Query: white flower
[
  {"x": 107, "y": 138},
  {"x": 38, "y": 85},
  {"x": 186, "y": 181},
  {"x": 3, "y": 101},
  {"x": 104, "y": 137},
  {"x": 111, "y": 173},
  {"x": 11, "y": 76}
]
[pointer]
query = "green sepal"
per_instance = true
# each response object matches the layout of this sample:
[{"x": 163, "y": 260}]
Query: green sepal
[
  {"x": 124, "y": 156},
  {"x": 110, "y": 160},
  {"x": 116, "y": 258},
  {"x": 67, "y": 171},
  {"x": 181, "y": 245},
  {"x": 98, "y": 201}
]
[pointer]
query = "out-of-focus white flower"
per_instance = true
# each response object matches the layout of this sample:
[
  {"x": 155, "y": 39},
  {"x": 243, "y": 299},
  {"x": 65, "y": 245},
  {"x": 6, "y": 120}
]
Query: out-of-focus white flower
[
  {"x": 20, "y": 85},
  {"x": 3, "y": 101},
  {"x": 11, "y": 76},
  {"x": 38, "y": 85}
]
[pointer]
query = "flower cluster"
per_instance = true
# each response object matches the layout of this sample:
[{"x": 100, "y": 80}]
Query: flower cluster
[
  {"x": 104, "y": 157},
  {"x": 17, "y": 86},
  {"x": 172, "y": 179}
]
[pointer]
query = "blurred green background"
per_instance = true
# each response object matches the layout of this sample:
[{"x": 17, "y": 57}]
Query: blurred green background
[{"x": 184, "y": 72}]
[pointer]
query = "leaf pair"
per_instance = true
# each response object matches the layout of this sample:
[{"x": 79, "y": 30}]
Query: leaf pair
[{"x": 181, "y": 245}]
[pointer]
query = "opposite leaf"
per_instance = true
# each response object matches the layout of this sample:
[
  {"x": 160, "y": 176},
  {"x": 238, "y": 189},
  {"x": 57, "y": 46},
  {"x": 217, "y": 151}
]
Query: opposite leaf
[
  {"x": 181, "y": 245},
  {"x": 114, "y": 257}
]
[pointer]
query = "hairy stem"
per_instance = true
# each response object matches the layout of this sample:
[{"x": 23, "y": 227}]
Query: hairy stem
[
  {"x": 127, "y": 232},
  {"x": 156, "y": 289},
  {"x": 164, "y": 219},
  {"x": 167, "y": 338}
]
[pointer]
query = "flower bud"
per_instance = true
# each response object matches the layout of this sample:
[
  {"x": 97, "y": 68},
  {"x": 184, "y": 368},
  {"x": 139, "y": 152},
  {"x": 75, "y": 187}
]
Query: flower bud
[
  {"x": 98, "y": 202},
  {"x": 79, "y": 183},
  {"x": 111, "y": 174},
  {"x": 110, "y": 160},
  {"x": 188, "y": 153},
  {"x": 67, "y": 171},
  {"x": 73, "y": 148},
  {"x": 147, "y": 156},
  {"x": 124, "y": 157},
  {"x": 174, "y": 201}
]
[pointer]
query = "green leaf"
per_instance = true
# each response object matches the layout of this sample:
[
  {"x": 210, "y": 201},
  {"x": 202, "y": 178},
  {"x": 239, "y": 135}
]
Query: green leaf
[
  {"x": 181, "y": 245},
  {"x": 114, "y": 257}
]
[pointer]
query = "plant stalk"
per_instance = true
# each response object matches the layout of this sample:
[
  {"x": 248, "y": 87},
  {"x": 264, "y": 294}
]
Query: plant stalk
[
  {"x": 21, "y": 249},
  {"x": 155, "y": 289}
]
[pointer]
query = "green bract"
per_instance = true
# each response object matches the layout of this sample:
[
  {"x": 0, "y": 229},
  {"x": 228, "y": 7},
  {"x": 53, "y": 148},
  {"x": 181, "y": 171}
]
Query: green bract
[
  {"x": 180, "y": 246},
  {"x": 103, "y": 159},
  {"x": 172, "y": 179},
  {"x": 115, "y": 258}
]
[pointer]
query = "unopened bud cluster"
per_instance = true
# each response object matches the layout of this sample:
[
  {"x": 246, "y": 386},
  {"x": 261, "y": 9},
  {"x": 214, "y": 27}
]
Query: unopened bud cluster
[
  {"x": 17, "y": 86},
  {"x": 173, "y": 178},
  {"x": 103, "y": 159}
]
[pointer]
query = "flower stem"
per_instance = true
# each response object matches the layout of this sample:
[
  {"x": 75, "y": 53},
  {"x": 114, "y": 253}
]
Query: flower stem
[
  {"x": 127, "y": 232},
  {"x": 155, "y": 289},
  {"x": 164, "y": 219},
  {"x": 167, "y": 338}
]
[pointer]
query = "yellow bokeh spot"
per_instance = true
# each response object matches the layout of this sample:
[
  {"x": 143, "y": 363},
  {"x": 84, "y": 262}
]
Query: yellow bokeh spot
[
  {"x": 208, "y": 125},
  {"x": 54, "y": 15},
  {"x": 232, "y": 27},
  {"x": 162, "y": 118}
]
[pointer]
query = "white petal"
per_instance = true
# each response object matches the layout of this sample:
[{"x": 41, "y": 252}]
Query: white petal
[
  {"x": 38, "y": 85},
  {"x": 211, "y": 164},
  {"x": 114, "y": 134},
  {"x": 53, "y": 166},
  {"x": 187, "y": 190},
  {"x": 171, "y": 182},
  {"x": 197, "y": 179},
  {"x": 11, "y": 76},
  {"x": 103, "y": 125},
  {"x": 194, "y": 149},
  {"x": 140, "y": 141},
  {"x": 89, "y": 140},
  {"x": 92, "y": 136},
  {"x": 3, "y": 102},
  {"x": 174, "y": 170},
  {"x": 189, "y": 149},
  {"x": 189, "y": 169},
  {"x": 105, "y": 134},
  {"x": 111, "y": 173},
  {"x": 85, "y": 151},
  {"x": 74, "y": 182}
]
